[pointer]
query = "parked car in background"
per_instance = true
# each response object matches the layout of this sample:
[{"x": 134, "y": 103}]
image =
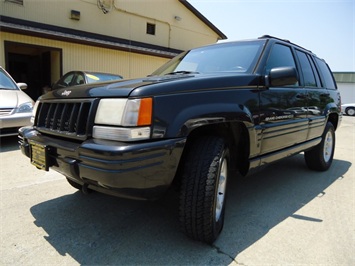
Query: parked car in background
[
  {"x": 73, "y": 78},
  {"x": 15, "y": 105},
  {"x": 348, "y": 109}
]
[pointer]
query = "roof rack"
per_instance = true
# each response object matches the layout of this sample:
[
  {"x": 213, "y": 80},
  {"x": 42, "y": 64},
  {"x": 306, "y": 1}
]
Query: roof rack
[
  {"x": 273, "y": 37},
  {"x": 284, "y": 40}
]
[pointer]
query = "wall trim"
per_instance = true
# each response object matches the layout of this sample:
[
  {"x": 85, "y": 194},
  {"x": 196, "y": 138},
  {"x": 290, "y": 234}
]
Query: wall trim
[{"x": 25, "y": 27}]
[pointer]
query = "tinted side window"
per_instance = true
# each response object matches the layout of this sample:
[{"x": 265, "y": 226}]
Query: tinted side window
[
  {"x": 280, "y": 56},
  {"x": 308, "y": 75},
  {"x": 315, "y": 71},
  {"x": 328, "y": 80}
]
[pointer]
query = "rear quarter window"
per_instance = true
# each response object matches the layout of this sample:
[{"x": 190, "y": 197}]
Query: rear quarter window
[{"x": 327, "y": 76}]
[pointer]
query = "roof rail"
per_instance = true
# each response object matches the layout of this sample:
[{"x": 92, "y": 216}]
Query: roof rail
[
  {"x": 284, "y": 40},
  {"x": 273, "y": 37}
]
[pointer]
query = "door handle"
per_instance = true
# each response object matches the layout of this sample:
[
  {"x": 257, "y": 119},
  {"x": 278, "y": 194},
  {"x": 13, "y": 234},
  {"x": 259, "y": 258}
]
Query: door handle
[{"x": 302, "y": 96}]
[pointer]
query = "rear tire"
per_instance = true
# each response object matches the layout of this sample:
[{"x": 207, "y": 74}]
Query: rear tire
[
  {"x": 320, "y": 157},
  {"x": 203, "y": 189},
  {"x": 350, "y": 111}
]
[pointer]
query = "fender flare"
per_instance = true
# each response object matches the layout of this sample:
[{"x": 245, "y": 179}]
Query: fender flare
[{"x": 208, "y": 114}]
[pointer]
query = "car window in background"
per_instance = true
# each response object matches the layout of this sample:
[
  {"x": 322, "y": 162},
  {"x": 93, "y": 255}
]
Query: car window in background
[
  {"x": 65, "y": 81},
  {"x": 6, "y": 83},
  {"x": 79, "y": 79},
  {"x": 97, "y": 77}
]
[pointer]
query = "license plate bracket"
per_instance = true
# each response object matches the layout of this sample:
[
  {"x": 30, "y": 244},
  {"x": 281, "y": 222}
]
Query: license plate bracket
[{"x": 39, "y": 155}]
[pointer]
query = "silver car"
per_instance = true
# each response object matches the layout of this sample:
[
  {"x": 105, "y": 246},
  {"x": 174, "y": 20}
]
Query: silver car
[
  {"x": 348, "y": 109},
  {"x": 15, "y": 105}
]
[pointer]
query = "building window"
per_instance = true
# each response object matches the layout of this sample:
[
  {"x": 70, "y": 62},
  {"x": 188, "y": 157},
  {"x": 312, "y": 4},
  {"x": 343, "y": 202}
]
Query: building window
[
  {"x": 150, "y": 28},
  {"x": 20, "y": 2}
]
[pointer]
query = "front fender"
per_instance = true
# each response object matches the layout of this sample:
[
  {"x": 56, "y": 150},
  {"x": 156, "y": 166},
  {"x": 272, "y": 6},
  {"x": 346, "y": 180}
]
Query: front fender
[
  {"x": 176, "y": 115},
  {"x": 207, "y": 114}
]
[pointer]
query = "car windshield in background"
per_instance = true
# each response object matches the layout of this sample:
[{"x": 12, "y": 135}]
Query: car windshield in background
[
  {"x": 232, "y": 57},
  {"x": 5, "y": 82},
  {"x": 97, "y": 77}
]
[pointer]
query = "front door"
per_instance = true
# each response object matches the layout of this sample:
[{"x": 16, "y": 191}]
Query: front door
[{"x": 283, "y": 109}]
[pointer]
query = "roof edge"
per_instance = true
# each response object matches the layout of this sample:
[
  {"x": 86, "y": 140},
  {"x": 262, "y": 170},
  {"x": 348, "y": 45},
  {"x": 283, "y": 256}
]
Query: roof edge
[
  {"x": 31, "y": 28},
  {"x": 344, "y": 76},
  {"x": 203, "y": 19}
]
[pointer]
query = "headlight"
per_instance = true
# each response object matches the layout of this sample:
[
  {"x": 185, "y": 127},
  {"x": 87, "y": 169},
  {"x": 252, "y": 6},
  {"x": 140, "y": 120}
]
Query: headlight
[
  {"x": 123, "y": 119},
  {"x": 34, "y": 112},
  {"x": 25, "y": 108}
]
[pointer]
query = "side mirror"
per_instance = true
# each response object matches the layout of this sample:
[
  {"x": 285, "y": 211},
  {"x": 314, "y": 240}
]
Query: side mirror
[
  {"x": 282, "y": 76},
  {"x": 22, "y": 85}
]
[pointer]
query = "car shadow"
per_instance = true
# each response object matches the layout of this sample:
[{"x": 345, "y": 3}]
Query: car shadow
[
  {"x": 100, "y": 229},
  {"x": 9, "y": 144},
  {"x": 262, "y": 201}
]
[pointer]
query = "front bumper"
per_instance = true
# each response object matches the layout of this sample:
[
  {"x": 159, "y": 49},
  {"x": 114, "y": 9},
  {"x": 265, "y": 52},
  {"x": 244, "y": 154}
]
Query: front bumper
[
  {"x": 143, "y": 170},
  {"x": 9, "y": 124}
]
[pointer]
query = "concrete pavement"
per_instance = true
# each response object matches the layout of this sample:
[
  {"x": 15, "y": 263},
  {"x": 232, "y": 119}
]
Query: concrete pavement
[{"x": 285, "y": 214}]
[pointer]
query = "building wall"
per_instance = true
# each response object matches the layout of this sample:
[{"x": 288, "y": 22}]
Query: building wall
[
  {"x": 125, "y": 19},
  {"x": 85, "y": 57},
  {"x": 347, "y": 91},
  {"x": 40, "y": 40}
]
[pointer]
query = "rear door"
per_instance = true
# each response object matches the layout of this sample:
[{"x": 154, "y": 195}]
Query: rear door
[
  {"x": 323, "y": 96},
  {"x": 283, "y": 109}
]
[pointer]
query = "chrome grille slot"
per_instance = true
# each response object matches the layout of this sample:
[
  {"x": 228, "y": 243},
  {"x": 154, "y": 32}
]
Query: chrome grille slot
[
  {"x": 5, "y": 111},
  {"x": 70, "y": 118}
]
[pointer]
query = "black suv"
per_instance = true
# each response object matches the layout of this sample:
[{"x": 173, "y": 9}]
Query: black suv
[{"x": 210, "y": 110}]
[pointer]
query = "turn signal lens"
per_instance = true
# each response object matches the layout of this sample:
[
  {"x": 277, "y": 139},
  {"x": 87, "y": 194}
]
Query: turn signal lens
[
  {"x": 145, "y": 112},
  {"x": 138, "y": 112}
]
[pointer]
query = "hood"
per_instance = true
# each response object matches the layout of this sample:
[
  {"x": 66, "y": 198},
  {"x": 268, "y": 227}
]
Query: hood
[
  {"x": 154, "y": 85},
  {"x": 13, "y": 98}
]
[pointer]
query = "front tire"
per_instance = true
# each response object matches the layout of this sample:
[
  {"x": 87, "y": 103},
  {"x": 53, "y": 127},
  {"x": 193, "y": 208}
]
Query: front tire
[
  {"x": 320, "y": 157},
  {"x": 203, "y": 189}
]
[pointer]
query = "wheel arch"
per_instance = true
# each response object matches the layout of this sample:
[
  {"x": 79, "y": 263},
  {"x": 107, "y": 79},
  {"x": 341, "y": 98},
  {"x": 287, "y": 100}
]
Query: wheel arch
[
  {"x": 333, "y": 112},
  {"x": 236, "y": 136},
  {"x": 334, "y": 119}
]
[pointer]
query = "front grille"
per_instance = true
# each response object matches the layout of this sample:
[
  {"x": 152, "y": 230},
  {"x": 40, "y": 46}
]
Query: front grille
[
  {"x": 5, "y": 111},
  {"x": 70, "y": 119}
]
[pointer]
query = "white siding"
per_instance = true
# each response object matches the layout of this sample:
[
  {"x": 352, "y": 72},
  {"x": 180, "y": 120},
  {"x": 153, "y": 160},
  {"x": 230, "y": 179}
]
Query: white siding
[
  {"x": 126, "y": 20},
  {"x": 84, "y": 57},
  {"x": 347, "y": 91}
]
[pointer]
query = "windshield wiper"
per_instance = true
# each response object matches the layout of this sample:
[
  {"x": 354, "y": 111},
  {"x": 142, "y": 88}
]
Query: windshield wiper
[{"x": 182, "y": 72}]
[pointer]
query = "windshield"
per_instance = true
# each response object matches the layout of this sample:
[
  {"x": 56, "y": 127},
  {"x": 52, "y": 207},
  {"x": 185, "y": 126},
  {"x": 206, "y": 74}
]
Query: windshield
[
  {"x": 226, "y": 57},
  {"x": 6, "y": 82}
]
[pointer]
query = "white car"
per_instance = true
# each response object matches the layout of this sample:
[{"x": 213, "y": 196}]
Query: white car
[
  {"x": 15, "y": 105},
  {"x": 348, "y": 109}
]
